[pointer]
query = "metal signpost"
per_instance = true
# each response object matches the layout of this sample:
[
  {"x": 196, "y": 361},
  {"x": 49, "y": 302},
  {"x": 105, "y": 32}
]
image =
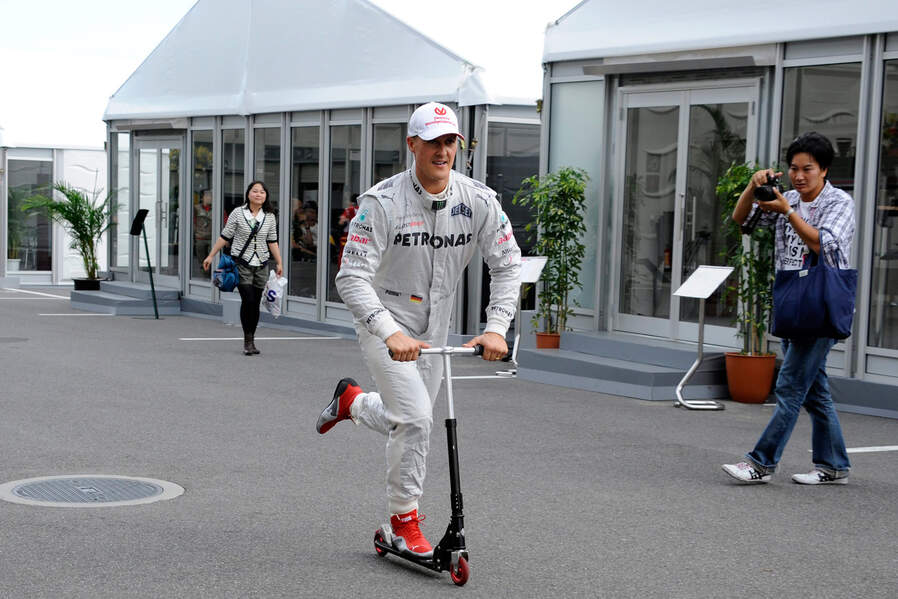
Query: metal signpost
[
  {"x": 700, "y": 284},
  {"x": 136, "y": 228},
  {"x": 531, "y": 269}
]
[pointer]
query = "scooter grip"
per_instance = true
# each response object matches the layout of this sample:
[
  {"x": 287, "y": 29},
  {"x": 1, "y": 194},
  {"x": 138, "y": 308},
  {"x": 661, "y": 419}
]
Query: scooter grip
[{"x": 478, "y": 351}]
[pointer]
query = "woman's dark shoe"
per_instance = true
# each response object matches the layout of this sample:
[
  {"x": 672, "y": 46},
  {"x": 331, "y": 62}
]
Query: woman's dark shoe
[
  {"x": 248, "y": 346},
  {"x": 252, "y": 344}
]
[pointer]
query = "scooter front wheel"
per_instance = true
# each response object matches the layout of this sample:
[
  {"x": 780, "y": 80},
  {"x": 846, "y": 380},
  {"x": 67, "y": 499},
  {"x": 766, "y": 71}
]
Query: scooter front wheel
[
  {"x": 379, "y": 538},
  {"x": 459, "y": 574}
]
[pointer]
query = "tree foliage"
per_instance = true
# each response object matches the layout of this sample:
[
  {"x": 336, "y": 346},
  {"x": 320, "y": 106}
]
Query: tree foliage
[
  {"x": 84, "y": 218},
  {"x": 752, "y": 257},
  {"x": 558, "y": 202}
]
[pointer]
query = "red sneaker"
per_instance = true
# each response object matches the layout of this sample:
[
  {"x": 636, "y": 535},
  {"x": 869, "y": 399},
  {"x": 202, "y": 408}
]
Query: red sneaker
[
  {"x": 338, "y": 409},
  {"x": 407, "y": 536}
]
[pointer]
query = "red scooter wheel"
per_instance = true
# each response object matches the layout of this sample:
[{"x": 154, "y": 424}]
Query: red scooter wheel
[
  {"x": 379, "y": 538},
  {"x": 459, "y": 575}
]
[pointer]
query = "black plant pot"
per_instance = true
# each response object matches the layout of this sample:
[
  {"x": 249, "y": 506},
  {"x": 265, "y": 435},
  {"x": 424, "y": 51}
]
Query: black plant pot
[{"x": 87, "y": 284}]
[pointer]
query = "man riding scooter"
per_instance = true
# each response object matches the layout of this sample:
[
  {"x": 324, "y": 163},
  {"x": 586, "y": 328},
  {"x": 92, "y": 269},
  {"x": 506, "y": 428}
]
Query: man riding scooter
[{"x": 407, "y": 250}]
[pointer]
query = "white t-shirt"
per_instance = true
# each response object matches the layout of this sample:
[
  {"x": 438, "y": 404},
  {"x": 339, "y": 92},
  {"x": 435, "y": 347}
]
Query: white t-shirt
[{"x": 795, "y": 246}]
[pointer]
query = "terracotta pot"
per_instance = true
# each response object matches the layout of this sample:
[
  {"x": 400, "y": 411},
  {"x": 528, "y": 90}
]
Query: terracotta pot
[
  {"x": 548, "y": 340},
  {"x": 750, "y": 378}
]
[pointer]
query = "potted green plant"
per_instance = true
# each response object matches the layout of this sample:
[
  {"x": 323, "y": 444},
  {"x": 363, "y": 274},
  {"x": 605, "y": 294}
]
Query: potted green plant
[
  {"x": 750, "y": 371},
  {"x": 85, "y": 219},
  {"x": 558, "y": 202}
]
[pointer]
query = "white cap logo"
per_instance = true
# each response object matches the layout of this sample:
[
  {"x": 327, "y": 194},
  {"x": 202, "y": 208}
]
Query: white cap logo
[{"x": 432, "y": 120}]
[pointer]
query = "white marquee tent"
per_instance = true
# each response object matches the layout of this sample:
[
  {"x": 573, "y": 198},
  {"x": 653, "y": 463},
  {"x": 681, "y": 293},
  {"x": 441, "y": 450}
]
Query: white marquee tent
[
  {"x": 249, "y": 57},
  {"x": 604, "y": 28}
]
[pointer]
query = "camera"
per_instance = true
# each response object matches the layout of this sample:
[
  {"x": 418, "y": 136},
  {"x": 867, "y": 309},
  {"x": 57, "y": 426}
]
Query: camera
[
  {"x": 767, "y": 192},
  {"x": 763, "y": 193}
]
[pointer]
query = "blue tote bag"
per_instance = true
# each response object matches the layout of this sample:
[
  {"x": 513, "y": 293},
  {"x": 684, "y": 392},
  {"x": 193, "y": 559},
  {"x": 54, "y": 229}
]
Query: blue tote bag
[
  {"x": 226, "y": 276},
  {"x": 816, "y": 301}
]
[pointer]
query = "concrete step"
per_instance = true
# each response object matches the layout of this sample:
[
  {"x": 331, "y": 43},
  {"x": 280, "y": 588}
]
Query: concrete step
[
  {"x": 626, "y": 375},
  {"x": 138, "y": 290},
  {"x": 104, "y": 302},
  {"x": 636, "y": 348}
]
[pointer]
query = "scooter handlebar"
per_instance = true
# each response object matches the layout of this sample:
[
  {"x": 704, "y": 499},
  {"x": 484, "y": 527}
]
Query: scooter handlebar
[{"x": 477, "y": 350}]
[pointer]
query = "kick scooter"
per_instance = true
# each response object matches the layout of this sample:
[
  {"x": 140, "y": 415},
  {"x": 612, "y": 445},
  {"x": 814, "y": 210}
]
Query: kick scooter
[{"x": 450, "y": 553}]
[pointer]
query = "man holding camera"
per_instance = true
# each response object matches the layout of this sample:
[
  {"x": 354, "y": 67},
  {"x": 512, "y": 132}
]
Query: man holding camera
[{"x": 812, "y": 217}]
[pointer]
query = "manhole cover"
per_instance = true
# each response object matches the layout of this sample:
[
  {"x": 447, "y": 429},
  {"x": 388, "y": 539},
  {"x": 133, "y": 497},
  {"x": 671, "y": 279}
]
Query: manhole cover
[{"x": 88, "y": 490}]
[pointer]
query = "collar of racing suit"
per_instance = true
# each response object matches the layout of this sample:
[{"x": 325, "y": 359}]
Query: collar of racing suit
[{"x": 438, "y": 201}]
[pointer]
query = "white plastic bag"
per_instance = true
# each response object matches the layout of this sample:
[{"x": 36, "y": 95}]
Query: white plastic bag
[{"x": 273, "y": 294}]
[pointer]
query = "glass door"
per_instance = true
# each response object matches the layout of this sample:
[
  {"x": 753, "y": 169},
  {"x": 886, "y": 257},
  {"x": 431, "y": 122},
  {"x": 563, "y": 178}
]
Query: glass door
[
  {"x": 159, "y": 191},
  {"x": 676, "y": 145}
]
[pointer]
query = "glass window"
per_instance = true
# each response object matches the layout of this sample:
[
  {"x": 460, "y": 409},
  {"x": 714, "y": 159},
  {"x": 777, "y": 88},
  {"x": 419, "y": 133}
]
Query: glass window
[
  {"x": 883, "y": 330},
  {"x": 201, "y": 191},
  {"x": 345, "y": 187},
  {"x": 575, "y": 128},
  {"x": 267, "y": 162},
  {"x": 512, "y": 155},
  {"x": 29, "y": 234},
  {"x": 648, "y": 219},
  {"x": 824, "y": 99},
  {"x": 717, "y": 139},
  {"x": 389, "y": 150},
  {"x": 169, "y": 218},
  {"x": 120, "y": 225},
  {"x": 232, "y": 188},
  {"x": 304, "y": 212}
]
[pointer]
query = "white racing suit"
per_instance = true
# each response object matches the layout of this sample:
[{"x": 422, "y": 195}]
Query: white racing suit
[{"x": 402, "y": 262}]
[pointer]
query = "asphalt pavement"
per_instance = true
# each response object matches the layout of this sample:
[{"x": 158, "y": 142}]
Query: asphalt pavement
[{"x": 567, "y": 493}]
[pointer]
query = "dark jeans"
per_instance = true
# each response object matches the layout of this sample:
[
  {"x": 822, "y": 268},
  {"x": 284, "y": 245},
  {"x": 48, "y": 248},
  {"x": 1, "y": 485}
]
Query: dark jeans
[{"x": 802, "y": 381}]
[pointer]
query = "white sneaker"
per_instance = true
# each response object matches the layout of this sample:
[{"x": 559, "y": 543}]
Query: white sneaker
[
  {"x": 818, "y": 477},
  {"x": 746, "y": 473}
]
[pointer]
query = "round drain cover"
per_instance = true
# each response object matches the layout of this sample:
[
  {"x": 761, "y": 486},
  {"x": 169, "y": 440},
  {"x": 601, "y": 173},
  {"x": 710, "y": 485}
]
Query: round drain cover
[{"x": 88, "y": 490}]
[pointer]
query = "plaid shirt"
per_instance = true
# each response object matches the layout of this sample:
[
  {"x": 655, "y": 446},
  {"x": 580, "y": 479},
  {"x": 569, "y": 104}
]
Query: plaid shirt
[{"x": 834, "y": 219}]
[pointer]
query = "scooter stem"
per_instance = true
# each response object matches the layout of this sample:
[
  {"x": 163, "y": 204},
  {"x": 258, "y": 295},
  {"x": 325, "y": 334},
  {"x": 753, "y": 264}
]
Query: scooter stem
[{"x": 454, "y": 480}]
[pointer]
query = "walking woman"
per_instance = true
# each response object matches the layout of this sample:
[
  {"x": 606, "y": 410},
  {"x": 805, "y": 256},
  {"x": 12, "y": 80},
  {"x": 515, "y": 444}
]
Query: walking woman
[{"x": 252, "y": 234}]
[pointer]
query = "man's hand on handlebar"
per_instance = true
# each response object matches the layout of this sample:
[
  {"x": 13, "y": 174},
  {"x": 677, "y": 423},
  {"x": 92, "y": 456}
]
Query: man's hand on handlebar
[
  {"x": 494, "y": 346},
  {"x": 403, "y": 348}
]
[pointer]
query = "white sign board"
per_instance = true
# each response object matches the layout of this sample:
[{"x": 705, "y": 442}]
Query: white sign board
[
  {"x": 532, "y": 268},
  {"x": 704, "y": 281}
]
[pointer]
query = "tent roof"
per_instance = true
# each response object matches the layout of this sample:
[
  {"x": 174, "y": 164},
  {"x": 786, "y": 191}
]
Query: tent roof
[
  {"x": 607, "y": 28},
  {"x": 251, "y": 57}
]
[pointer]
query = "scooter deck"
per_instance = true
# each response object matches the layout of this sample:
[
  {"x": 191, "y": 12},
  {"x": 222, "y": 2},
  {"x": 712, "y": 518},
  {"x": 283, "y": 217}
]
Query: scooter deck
[
  {"x": 441, "y": 561},
  {"x": 431, "y": 563}
]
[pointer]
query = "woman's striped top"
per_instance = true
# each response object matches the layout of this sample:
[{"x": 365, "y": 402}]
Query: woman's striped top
[{"x": 238, "y": 230}]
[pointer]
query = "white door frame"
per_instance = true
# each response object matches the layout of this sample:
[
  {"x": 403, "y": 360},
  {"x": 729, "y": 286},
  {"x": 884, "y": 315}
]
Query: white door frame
[
  {"x": 158, "y": 143},
  {"x": 683, "y": 95}
]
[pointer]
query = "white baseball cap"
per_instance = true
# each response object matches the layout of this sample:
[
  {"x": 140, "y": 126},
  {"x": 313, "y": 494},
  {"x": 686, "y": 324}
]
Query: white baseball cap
[{"x": 432, "y": 120}]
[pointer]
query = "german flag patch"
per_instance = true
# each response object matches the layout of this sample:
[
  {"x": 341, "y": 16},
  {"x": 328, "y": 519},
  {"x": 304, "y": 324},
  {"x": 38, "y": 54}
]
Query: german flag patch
[{"x": 417, "y": 299}]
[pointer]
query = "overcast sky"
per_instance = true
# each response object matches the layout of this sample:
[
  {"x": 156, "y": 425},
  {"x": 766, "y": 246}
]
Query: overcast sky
[{"x": 62, "y": 59}]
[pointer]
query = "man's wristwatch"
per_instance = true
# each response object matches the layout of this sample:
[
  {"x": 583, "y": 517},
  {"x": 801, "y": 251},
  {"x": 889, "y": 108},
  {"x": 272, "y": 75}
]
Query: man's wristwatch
[{"x": 789, "y": 212}]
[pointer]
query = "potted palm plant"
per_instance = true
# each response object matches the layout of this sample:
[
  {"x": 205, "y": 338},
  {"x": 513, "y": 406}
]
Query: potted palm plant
[
  {"x": 85, "y": 218},
  {"x": 557, "y": 201},
  {"x": 750, "y": 371}
]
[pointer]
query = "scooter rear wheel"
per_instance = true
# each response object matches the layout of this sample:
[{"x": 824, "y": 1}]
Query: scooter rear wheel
[
  {"x": 459, "y": 575},
  {"x": 379, "y": 538}
]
